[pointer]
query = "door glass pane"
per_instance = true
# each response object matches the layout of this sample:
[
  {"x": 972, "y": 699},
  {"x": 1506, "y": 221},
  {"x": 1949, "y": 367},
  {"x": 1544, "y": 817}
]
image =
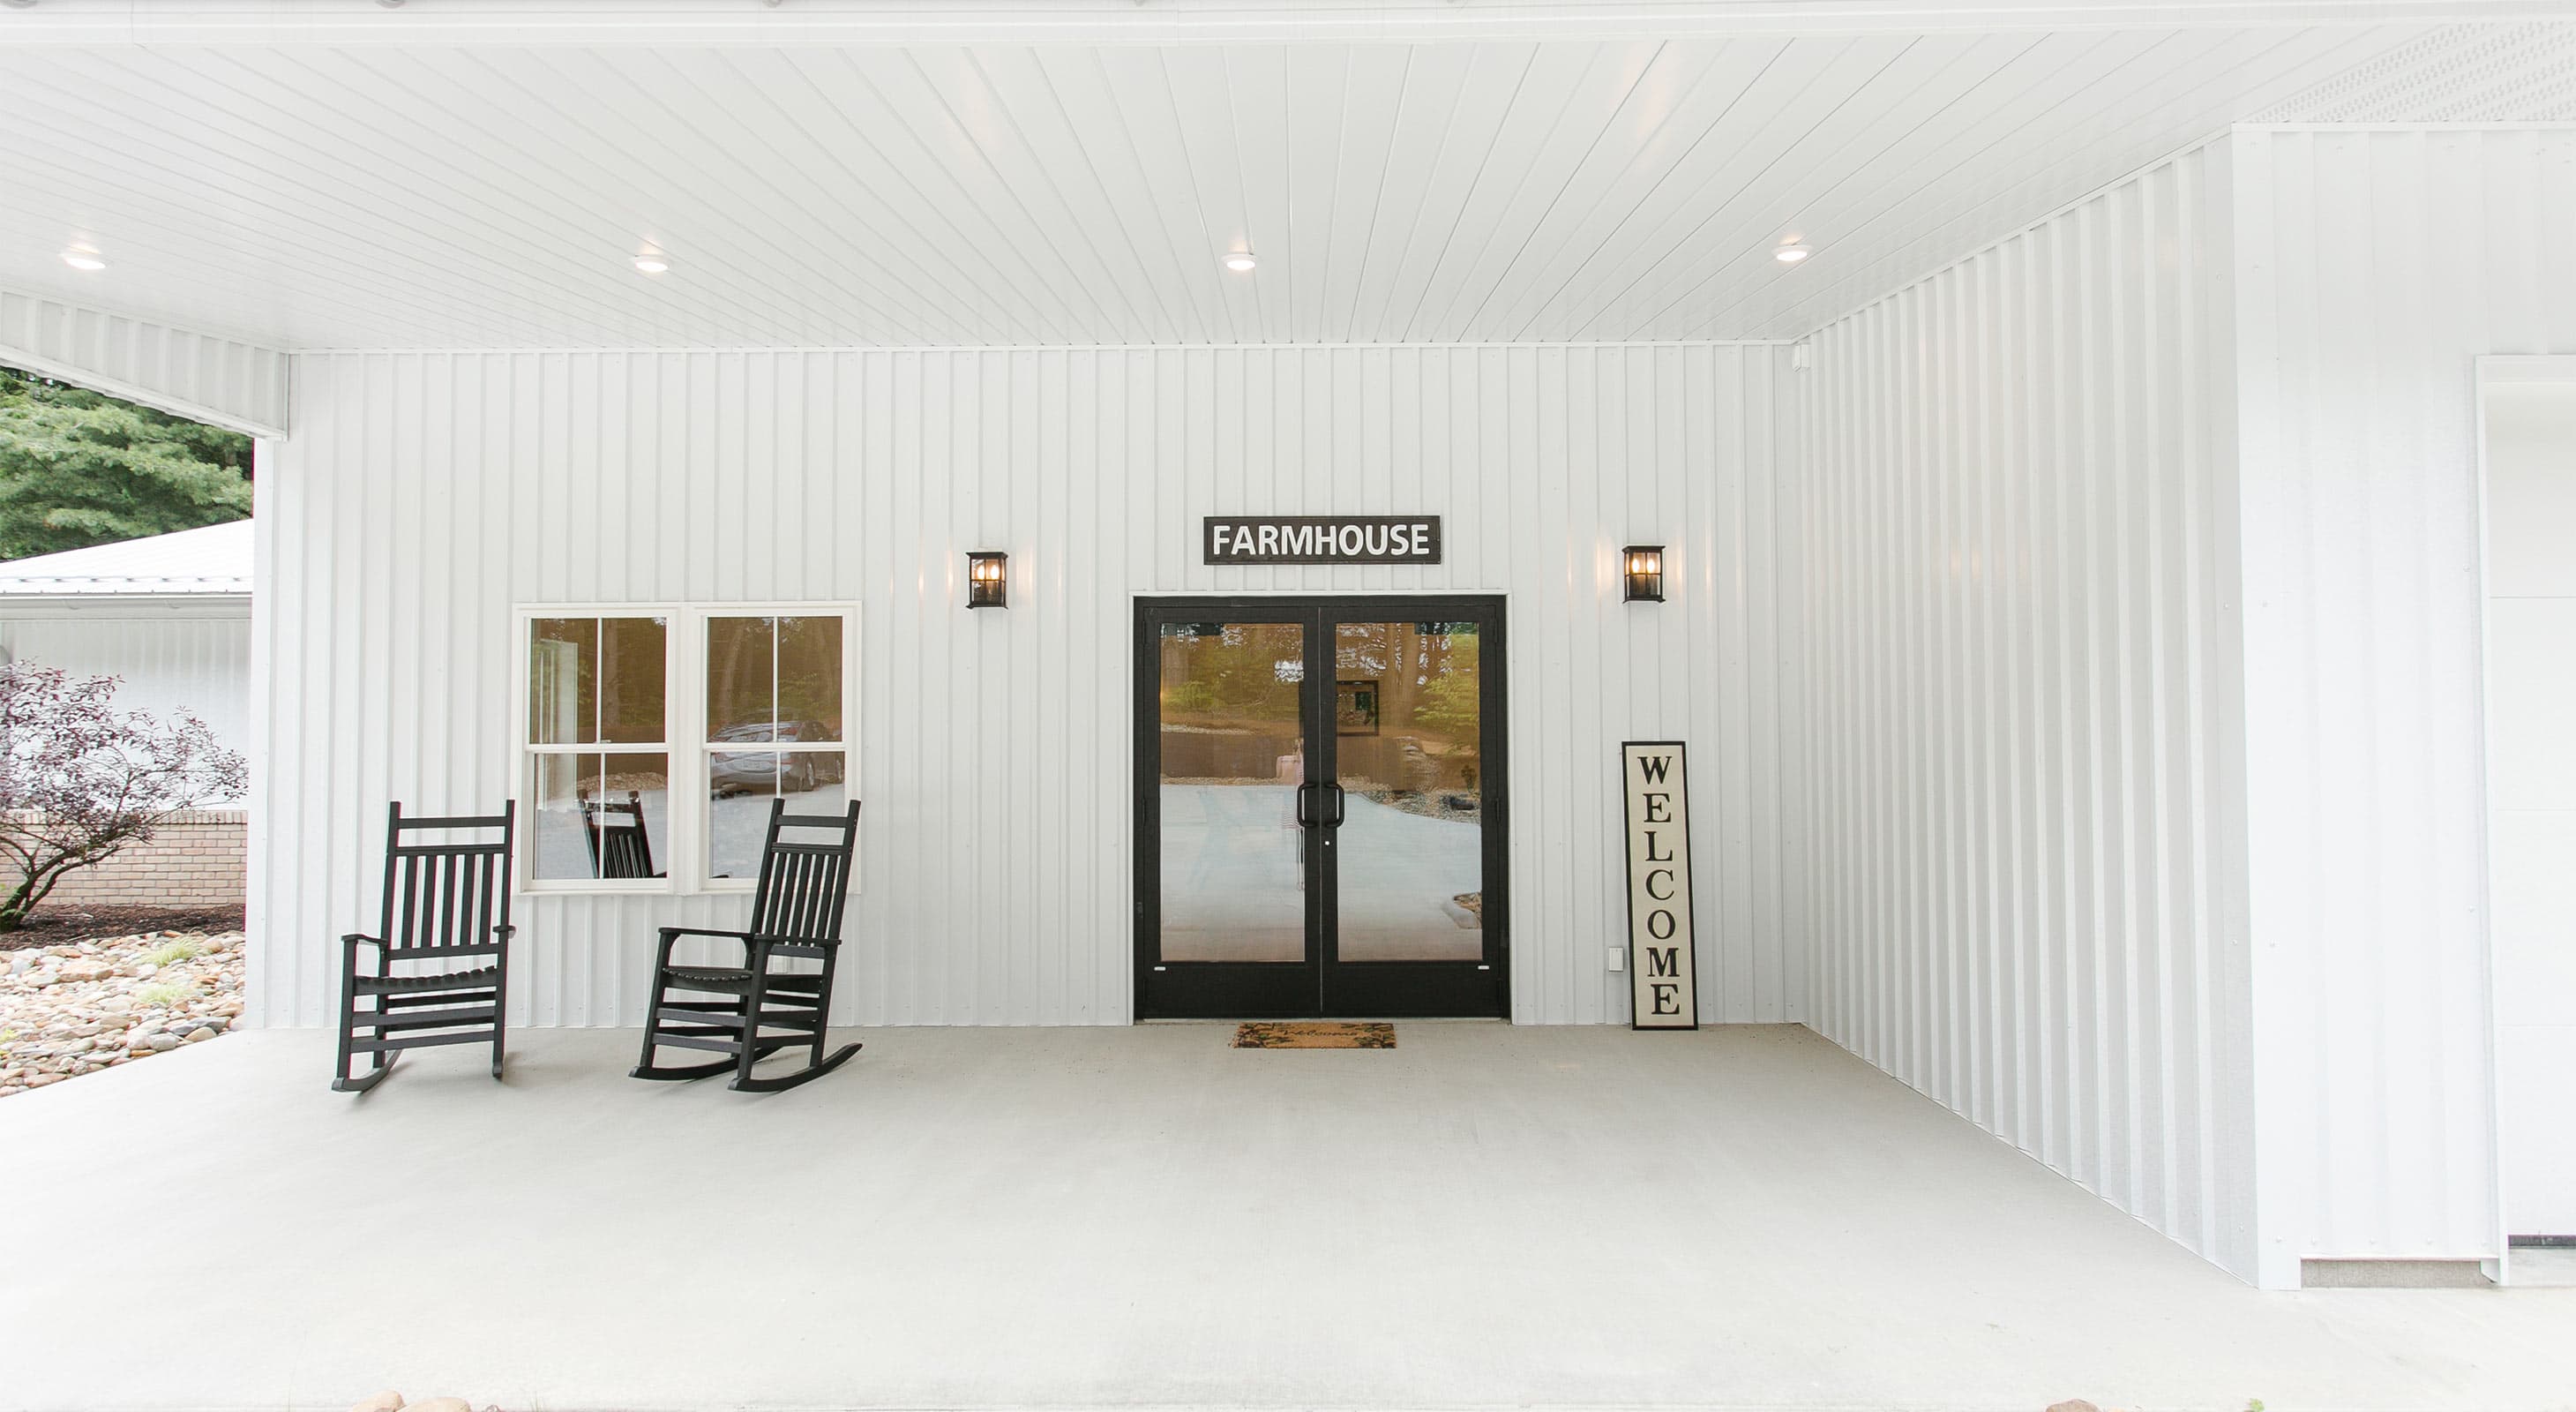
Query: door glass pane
[
  {"x": 1409, "y": 726},
  {"x": 1231, "y": 757}
]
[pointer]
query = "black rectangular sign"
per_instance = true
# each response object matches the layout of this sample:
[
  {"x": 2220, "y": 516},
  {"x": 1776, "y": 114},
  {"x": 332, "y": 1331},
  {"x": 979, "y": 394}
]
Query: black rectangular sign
[{"x": 1322, "y": 539}]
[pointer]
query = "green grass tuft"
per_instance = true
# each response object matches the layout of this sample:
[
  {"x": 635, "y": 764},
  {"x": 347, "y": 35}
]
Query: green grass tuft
[
  {"x": 164, "y": 994},
  {"x": 168, "y": 953}
]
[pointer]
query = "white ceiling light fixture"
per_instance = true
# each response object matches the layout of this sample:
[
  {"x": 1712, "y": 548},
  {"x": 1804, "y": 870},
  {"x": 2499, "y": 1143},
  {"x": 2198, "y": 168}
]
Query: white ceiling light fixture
[
  {"x": 82, "y": 257},
  {"x": 1790, "y": 251},
  {"x": 1239, "y": 261},
  {"x": 652, "y": 262}
]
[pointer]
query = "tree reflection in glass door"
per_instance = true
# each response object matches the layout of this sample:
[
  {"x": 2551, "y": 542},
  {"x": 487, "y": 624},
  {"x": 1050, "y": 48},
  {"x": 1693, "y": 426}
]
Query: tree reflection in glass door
[
  {"x": 1408, "y": 730},
  {"x": 1232, "y": 752}
]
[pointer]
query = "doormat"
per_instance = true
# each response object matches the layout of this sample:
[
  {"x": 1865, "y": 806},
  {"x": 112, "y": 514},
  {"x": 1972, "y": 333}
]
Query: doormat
[{"x": 1315, "y": 1034}]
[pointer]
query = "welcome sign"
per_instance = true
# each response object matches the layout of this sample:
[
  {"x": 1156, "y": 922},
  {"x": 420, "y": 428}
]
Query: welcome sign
[
  {"x": 1322, "y": 539},
  {"x": 1663, "y": 978}
]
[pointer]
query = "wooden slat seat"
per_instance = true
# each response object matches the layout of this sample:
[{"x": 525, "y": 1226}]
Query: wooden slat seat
[
  {"x": 709, "y": 978},
  {"x": 480, "y": 978}
]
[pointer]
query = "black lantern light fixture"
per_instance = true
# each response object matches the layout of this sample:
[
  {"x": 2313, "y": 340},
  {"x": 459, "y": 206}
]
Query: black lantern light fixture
[
  {"x": 1642, "y": 565},
  {"x": 988, "y": 579}
]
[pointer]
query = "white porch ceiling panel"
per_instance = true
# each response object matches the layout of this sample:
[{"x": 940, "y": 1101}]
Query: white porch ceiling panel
[{"x": 462, "y": 197}]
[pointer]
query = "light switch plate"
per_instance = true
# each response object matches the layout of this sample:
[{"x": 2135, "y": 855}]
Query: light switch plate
[{"x": 1618, "y": 958}]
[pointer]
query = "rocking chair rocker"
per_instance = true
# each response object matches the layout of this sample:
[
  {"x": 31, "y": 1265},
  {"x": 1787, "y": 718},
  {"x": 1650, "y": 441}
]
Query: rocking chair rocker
[
  {"x": 795, "y": 914},
  {"x": 444, "y": 902}
]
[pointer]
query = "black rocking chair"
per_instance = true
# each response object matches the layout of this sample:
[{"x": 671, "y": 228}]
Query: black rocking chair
[
  {"x": 795, "y": 915},
  {"x": 620, "y": 847},
  {"x": 444, "y": 903}
]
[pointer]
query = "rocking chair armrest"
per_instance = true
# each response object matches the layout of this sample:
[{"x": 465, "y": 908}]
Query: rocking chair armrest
[
  {"x": 355, "y": 938},
  {"x": 669, "y": 932}
]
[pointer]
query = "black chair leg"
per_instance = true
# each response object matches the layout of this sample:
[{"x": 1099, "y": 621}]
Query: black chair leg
[
  {"x": 652, "y": 1025},
  {"x": 752, "y": 1006},
  {"x": 383, "y": 1059},
  {"x": 501, "y": 1014},
  {"x": 645, "y": 1068}
]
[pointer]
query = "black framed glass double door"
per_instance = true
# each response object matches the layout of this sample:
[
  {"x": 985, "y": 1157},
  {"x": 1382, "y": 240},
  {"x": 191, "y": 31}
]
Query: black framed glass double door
[{"x": 1320, "y": 807}]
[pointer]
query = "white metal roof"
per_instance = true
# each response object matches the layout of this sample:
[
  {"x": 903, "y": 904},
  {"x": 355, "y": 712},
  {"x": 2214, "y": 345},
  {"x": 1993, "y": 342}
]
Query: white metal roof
[
  {"x": 212, "y": 560},
  {"x": 454, "y": 174}
]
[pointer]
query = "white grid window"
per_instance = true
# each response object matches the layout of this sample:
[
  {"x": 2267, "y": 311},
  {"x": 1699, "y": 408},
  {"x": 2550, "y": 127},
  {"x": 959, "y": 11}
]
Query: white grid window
[{"x": 657, "y": 737}]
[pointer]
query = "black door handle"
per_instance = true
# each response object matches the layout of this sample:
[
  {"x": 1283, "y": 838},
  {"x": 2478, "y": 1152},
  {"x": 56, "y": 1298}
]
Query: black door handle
[
  {"x": 1304, "y": 819},
  {"x": 1341, "y": 806}
]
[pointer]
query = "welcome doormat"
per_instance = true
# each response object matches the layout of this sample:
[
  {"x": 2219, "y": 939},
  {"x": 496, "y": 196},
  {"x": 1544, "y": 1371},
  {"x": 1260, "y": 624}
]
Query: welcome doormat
[{"x": 1315, "y": 1034}]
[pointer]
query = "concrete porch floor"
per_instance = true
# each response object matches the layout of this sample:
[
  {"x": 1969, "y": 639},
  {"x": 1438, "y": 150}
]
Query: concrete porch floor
[{"x": 1746, "y": 1217}]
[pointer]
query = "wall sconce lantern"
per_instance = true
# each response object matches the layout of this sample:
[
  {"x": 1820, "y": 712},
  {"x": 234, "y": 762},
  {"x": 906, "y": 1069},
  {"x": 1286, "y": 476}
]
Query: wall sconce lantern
[
  {"x": 987, "y": 579},
  {"x": 1643, "y": 567}
]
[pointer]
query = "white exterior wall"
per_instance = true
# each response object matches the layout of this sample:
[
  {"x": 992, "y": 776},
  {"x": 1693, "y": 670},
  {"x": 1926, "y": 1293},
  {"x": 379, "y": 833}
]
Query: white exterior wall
[
  {"x": 2026, "y": 889},
  {"x": 2375, "y": 265},
  {"x": 196, "y": 659},
  {"x": 424, "y": 496}
]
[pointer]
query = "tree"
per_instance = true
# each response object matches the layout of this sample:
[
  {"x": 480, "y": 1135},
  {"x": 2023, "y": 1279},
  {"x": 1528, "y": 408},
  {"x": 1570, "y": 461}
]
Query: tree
[
  {"x": 80, "y": 780},
  {"x": 79, "y": 468}
]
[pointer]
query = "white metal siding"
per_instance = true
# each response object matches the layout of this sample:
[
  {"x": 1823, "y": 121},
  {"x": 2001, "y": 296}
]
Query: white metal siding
[
  {"x": 194, "y": 663},
  {"x": 2020, "y": 662},
  {"x": 423, "y": 495},
  {"x": 2374, "y": 265},
  {"x": 220, "y": 380}
]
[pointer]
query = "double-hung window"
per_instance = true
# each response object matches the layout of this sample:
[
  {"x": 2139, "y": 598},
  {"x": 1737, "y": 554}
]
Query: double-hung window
[
  {"x": 658, "y": 737},
  {"x": 772, "y": 728},
  {"x": 599, "y": 747}
]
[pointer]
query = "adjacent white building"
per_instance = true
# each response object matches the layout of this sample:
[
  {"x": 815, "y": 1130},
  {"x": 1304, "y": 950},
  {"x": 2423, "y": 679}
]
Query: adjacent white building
[
  {"x": 168, "y": 616},
  {"x": 2063, "y": 437}
]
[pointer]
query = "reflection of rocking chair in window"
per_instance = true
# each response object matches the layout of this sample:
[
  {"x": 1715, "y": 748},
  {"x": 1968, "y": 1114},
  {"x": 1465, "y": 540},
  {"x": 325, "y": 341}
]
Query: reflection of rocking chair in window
[{"x": 620, "y": 847}]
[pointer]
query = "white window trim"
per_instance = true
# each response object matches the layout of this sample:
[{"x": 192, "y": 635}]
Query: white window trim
[{"x": 684, "y": 697}]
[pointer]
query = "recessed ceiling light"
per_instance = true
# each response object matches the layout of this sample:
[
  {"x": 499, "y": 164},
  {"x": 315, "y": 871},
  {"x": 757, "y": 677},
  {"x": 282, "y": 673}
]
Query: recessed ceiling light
[
  {"x": 1239, "y": 261},
  {"x": 652, "y": 262},
  {"x": 81, "y": 257},
  {"x": 1790, "y": 252}
]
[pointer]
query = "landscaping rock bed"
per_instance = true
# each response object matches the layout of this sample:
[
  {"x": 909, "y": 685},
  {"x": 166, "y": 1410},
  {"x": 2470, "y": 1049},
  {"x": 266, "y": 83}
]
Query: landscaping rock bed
[{"x": 69, "y": 1009}]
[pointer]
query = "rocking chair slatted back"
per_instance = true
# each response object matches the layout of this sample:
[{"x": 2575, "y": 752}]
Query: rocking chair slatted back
[
  {"x": 447, "y": 893},
  {"x": 805, "y": 885},
  {"x": 619, "y": 845}
]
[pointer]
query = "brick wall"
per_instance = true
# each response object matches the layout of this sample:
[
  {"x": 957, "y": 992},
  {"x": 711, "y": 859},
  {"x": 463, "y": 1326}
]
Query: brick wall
[{"x": 198, "y": 859}]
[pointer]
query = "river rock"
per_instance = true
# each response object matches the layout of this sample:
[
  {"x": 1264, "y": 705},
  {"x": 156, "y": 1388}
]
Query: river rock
[{"x": 381, "y": 1402}]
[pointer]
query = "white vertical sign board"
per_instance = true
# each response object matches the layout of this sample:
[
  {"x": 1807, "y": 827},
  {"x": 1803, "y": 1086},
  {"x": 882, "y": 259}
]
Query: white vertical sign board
[{"x": 1663, "y": 976}]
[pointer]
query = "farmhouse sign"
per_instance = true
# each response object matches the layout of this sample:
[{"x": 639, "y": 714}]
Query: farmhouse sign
[
  {"x": 1322, "y": 539},
  {"x": 1662, "y": 977}
]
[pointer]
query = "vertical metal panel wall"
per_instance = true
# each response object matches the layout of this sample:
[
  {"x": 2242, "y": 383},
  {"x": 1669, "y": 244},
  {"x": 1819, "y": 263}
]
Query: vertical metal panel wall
[
  {"x": 2375, "y": 264},
  {"x": 2019, "y": 661},
  {"x": 197, "y": 662},
  {"x": 423, "y": 496},
  {"x": 220, "y": 380}
]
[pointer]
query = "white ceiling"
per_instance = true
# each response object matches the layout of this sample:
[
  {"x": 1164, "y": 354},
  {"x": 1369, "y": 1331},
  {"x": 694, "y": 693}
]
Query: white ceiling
[{"x": 403, "y": 195}]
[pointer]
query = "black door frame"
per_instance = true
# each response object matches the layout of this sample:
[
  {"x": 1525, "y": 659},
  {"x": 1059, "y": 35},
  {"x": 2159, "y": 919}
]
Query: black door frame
[{"x": 1323, "y": 984}]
